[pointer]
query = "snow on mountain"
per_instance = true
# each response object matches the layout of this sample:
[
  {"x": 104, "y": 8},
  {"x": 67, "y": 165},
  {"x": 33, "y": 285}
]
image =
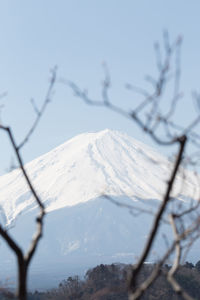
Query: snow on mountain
[
  {"x": 83, "y": 168},
  {"x": 80, "y": 224}
]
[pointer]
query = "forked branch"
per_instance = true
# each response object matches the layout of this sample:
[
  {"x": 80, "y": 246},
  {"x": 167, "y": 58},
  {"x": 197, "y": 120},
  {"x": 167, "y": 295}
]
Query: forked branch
[{"x": 24, "y": 259}]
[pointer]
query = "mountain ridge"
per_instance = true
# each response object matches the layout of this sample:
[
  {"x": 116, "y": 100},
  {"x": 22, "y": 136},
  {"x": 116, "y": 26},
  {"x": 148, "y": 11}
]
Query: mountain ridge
[
  {"x": 82, "y": 228},
  {"x": 85, "y": 167}
]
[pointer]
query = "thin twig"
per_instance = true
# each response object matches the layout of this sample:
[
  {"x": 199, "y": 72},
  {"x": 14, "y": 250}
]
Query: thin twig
[{"x": 40, "y": 112}]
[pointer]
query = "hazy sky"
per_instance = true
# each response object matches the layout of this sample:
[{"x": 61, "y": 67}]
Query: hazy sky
[{"x": 77, "y": 36}]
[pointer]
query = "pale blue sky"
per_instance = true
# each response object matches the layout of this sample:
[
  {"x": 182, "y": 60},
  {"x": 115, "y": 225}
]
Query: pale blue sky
[{"x": 77, "y": 36}]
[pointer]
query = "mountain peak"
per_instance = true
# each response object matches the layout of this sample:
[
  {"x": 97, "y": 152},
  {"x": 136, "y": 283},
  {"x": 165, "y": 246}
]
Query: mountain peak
[
  {"x": 84, "y": 168},
  {"x": 81, "y": 226}
]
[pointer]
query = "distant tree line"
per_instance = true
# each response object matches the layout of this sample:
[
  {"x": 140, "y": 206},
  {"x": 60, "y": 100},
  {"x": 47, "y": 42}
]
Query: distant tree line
[{"x": 109, "y": 282}]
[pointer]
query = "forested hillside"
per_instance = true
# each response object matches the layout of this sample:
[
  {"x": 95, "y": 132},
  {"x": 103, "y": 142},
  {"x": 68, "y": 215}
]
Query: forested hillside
[{"x": 109, "y": 282}]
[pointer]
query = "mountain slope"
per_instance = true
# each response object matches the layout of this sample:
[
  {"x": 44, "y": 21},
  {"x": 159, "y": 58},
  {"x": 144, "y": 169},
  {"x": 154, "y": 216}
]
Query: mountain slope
[
  {"x": 91, "y": 164},
  {"x": 82, "y": 228}
]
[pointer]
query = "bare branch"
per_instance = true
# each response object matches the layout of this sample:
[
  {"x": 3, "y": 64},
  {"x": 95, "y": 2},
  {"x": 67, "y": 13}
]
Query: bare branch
[
  {"x": 40, "y": 112},
  {"x": 36, "y": 238},
  {"x": 158, "y": 217},
  {"x": 133, "y": 209},
  {"x": 14, "y": 247},
  {"x": 170, "y": 276},
  {"x": 142, "y": 287},
  {"x": 149, "y": 116},
  {"x": 21, "y": 164},
  {"x": 25, "y": 259}
]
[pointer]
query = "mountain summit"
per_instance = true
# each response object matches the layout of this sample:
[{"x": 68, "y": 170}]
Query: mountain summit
[
  {"x": 83, "y": 228},
  {"x": 83, "y": 168}
]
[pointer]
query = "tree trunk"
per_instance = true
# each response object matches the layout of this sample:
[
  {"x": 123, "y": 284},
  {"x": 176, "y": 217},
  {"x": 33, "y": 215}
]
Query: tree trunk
[{"x": 22, "y": 280}]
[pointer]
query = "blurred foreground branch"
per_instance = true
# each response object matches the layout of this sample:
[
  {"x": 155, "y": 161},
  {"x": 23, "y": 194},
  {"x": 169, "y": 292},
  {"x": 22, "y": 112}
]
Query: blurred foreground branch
[
  {"x": 24, "y": 259},
  {"x": 158, "y": 120}
]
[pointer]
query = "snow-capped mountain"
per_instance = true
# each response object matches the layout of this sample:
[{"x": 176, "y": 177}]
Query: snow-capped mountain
[{"x": 83, "y": 228}]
